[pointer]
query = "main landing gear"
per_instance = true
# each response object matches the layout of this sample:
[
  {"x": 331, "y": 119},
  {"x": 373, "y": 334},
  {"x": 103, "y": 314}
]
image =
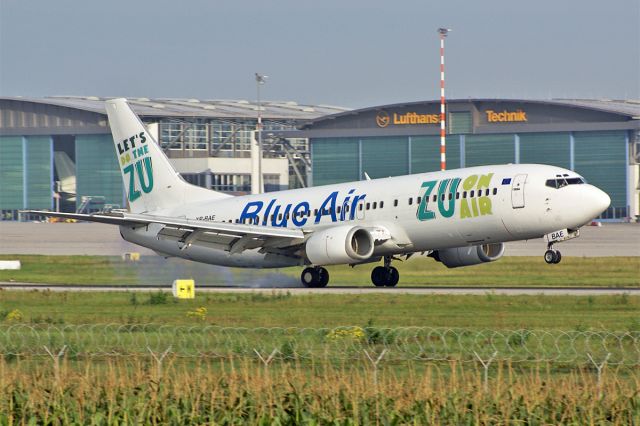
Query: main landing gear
[
  {"x": 315, "y": 277},
  {"x": 552, "y": 256},
  {"x": 385, "y": 276}
]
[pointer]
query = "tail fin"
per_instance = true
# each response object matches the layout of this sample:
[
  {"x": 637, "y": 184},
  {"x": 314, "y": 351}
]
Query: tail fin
[{"x": 151, "y": 183}]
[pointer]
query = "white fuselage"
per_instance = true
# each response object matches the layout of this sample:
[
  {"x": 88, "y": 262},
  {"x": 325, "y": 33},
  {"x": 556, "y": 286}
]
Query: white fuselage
[{"x": 421, "y": 212}]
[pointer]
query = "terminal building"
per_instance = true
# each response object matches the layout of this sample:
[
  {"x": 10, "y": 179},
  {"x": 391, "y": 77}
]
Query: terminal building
[
  {"x": 599, "y": 139},
  {"x": 56, "y": 152}
]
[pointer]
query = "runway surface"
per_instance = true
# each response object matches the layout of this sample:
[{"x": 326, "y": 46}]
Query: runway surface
[
  {"x": 611, "y": 239},
  {"x": 299, "y": 291}
]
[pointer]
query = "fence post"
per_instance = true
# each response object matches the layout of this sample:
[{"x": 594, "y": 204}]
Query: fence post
[
  {"x": 56, "y": 362},
  {"x": 375, "y": 365},
  {"x": 268, "y": 360},
  {"x": 599, "y": 368},
  {"x": 159, "y": 360},
  {"x": 486, "y": 365}
]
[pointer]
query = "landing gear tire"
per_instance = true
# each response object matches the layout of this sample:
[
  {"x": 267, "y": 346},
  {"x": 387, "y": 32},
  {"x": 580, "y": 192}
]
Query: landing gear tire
[
  {"x": 315, "y": 277},
  {"x": 385, "y": 276},
  {"x": 552, "y": 256}
]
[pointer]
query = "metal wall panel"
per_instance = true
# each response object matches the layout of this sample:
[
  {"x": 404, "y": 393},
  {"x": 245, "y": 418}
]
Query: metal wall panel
[
  {"x": 425, "y": 153},
  {"x": 97, "y": 169},
  {"x": 334, "y": 160},
  {"x": 489, "y": 149},
  {"x": 11, "y": 173},
  {"x": 460, "y": 122},
  {"x": 545, "y": 148},
  {"x": 39, "y": 183},
  {"x": 601, "y": 158},
  {"x": 384, "y": 157}
]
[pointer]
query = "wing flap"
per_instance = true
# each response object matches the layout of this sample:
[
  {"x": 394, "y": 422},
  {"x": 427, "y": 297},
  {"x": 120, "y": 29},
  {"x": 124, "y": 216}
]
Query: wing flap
[{"x": 233, "y": 237}]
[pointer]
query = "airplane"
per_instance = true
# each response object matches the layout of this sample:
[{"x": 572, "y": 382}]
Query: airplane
[{"x": 459, "y": 217}]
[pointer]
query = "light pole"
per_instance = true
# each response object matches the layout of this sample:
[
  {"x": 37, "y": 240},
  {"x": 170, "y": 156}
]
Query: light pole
[
  {"x": 260, "y": 80},
  {"x": 443, "y": 143}
]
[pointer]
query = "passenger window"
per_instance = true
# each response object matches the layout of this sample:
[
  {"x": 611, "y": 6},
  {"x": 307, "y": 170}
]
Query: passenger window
[
  {"x": 435, "y": 198},
  {"x": 315, "y": 212},
  {"x": 486, "y": 192},
  {"x": 410, "y": 200},
  {"x": 395, "y": 203},
  {"x": 418, "y": 200},
  {"x": 381, "y": 204},
  {"x": 360, "y": 207},
  {"x": 346, "y": 208},
  {"x": 368, "y": 206},
  {"x": 471, "y": 194},
  {"x": 338, "y": 209},
  {"x": 457, "y": 195},
  {"x": 280, "y": 217},
  {"x": 450, "y": 196},
  {"x": 495, "y": 191},
  {"x": 375, "y": 205},
  {"x": 442, "y": 197},
  {"x": 464, "y": 194}
]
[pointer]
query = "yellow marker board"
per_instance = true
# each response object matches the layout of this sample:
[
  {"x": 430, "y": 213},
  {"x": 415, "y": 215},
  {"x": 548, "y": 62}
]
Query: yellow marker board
[{"x": 184, "y": 289}]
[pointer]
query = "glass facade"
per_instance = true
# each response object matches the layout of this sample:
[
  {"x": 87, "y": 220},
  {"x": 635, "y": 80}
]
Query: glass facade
[
  {"x": 335, "y": 160},
  {"x": 97, "y": 170},
  {"x": 384, "y": 157}
]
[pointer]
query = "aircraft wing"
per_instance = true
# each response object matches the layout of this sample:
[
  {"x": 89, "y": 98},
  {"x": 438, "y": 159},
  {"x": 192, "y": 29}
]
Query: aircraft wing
[{"x": 232, "y": 237}]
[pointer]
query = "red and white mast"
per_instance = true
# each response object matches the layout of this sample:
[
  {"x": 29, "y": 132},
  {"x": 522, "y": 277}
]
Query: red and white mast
[{"x": 443, "y": 125}]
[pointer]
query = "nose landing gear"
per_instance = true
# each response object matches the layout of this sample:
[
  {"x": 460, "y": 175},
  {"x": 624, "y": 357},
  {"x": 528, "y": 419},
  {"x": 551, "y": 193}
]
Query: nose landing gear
[
  {"x": 552, "y": 256},
  {"x": 385, "y": 276},
  {"x": 315, "y": 277}
]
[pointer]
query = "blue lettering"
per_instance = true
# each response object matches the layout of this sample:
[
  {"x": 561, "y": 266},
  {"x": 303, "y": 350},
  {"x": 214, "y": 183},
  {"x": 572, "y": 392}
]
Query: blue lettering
[
  {"x": 280, "y": 222},
  {"x": 328, "y": 207},
  {"x": 354, "y": 205},
  {"x": 345, "y": 204},
  {"x": 300, "y": 211},
  {"x": 266, "y": 213},
  {"x": 248, "y": 215}
]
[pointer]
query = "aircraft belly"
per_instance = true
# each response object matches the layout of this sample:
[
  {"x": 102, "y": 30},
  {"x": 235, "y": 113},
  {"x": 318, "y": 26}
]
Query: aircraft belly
[{"x": 147, "y": 237}]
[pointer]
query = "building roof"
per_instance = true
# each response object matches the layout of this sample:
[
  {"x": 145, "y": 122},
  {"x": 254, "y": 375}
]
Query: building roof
[
  {"x": 628, "y": 108},
  {"x": 209, "y": 108}
]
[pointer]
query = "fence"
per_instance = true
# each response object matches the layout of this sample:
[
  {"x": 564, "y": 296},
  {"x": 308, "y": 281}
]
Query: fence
[{"x": 616, "y": 348}]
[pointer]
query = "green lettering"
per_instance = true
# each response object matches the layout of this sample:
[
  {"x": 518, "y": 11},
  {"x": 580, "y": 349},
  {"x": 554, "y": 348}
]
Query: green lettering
[
  {"x": 485, "y": 181},
  {"x": 464, "y": 209},
  {"x": 484, "y": 203},
  {"x": 469, "y": 182},
  {"x": 147, "y": 185},
  {"x": 134, "y": 194},
  {"x": 474, "y": 207},
  {"x": 448, "y": 195},
  {"x": 423, "y": 212}
]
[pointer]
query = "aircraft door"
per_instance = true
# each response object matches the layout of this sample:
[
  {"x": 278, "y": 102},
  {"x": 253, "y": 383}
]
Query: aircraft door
[{"x": 517, "y": 191}]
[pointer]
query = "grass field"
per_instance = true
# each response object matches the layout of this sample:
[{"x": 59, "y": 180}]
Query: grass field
[
  {"x": 282, "y": 310},
  {"x": 509, "y": 271}
]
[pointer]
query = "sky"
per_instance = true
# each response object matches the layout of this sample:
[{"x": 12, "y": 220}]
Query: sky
[{"x": 350, "y": 53}]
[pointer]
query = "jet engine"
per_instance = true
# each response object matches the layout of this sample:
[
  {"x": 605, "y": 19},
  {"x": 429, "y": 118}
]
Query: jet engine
[
  {"x": 467, "y": 256},
  {"x": 341, "y": 244}
]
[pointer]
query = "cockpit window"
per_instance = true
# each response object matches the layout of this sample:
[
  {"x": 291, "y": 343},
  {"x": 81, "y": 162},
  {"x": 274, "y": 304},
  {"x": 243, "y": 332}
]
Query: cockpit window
[{"x": 561, "y": 181}]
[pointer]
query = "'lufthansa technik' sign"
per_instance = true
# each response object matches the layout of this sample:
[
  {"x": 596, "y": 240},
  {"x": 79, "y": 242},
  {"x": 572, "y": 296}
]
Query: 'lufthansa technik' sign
[{"x": 383, "y": 119}]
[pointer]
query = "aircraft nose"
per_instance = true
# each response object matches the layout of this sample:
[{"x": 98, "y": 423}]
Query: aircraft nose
[{"x": 600, "y": 200}]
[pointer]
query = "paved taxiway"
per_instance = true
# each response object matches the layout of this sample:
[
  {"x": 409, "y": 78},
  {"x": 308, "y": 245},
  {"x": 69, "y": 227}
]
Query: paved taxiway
[
  {"x": 611, "y": 239},
  {"x": 506, "y": 291}
]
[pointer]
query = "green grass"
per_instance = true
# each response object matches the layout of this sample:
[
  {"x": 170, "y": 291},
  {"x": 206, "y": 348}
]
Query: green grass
[
  {"x": 328, "y": 310},
  {"x": 509, "y": 271}
]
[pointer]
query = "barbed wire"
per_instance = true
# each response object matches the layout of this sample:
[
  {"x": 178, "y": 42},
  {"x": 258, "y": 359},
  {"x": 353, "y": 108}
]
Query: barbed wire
[{"x": 339, "y": 343}]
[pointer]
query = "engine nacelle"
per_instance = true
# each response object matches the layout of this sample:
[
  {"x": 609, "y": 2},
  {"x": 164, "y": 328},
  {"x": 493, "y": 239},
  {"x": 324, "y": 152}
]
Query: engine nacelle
[
  {"x": 338, "y": 245},
  {"x": 467, "y": 256}
]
